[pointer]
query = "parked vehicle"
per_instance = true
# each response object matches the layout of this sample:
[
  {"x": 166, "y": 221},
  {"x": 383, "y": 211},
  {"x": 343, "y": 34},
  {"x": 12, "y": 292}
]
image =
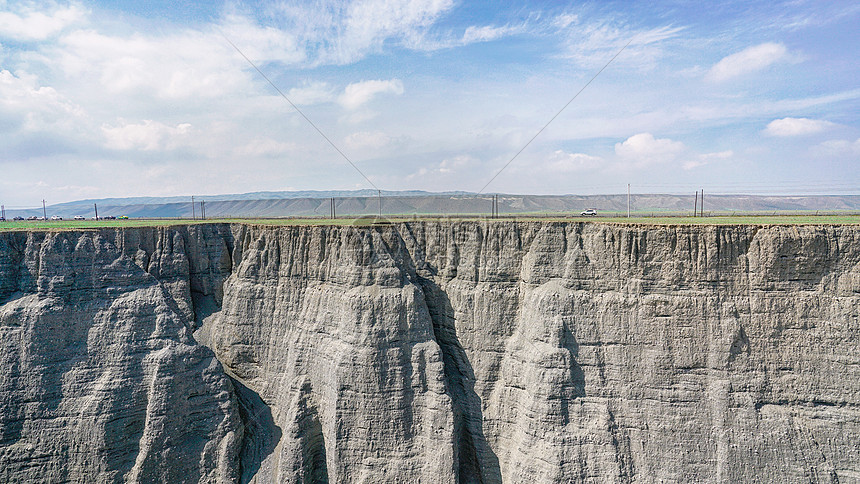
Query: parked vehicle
[
  {"x": 79, "y": 217},
  {"x": 56, "y": 217},
  {"x": 589, "y": 212},
  {"x": 18, "y": 217},
  {"x": 33, "y": 217},
  {"x": 2, "y": 219},
  {"x": 123, "y": 217},
  {"x": 108, "y": 217}
]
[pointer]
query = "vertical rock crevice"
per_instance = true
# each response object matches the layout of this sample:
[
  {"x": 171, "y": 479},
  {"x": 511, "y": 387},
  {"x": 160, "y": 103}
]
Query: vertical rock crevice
[
  {"x": 476, "y": 461},
  {"x": 260, "y": 437},
  {"x": 307, "y": 436}
]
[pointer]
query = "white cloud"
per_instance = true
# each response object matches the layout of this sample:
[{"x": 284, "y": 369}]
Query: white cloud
[
  {"x": 357, "y": 117},
  {"x": 813, "y": 101},
  {"x": 146, "y": 136},
  {"x": 691, "y": 164},
  {"x": 593, "y": 44},
  {"x": 444, "y": 168},
  {"x": 643, "y": 149},
  {"x": 356, "y": 94},
  {"x": 336, "y": 32},
  {"x": 721, "y": 155},
  {"x": 29, "y": 25},
  {"x": 450, "y": 165},
  {"x": 706, "y": 158},
  {"x": 486, "y": 33},
  {"x": 34, "y": 107},
  {"x": 373, "y": 140},
  {"x": 312, "y": 93},
  {"x": 259, "y": 42},
  {"x": 786, "y": 127},
  {"x": 838, "y": 147},
  {"x": 369, "y": 22},
  {"x": 564, "y": 20},
  {"x": 473, "y": 34},
  {"x": 563, "y": 162},
  {"x": 265, "y": 147},
  {"x": 749, "y": 60},
  {"x": 183, "y": 65}
]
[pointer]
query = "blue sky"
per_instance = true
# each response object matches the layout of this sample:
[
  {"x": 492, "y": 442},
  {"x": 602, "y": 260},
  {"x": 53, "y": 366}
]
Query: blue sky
[{"x": 130, "y": 98}]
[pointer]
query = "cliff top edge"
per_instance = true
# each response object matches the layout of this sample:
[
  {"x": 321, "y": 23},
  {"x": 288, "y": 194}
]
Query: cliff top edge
[{"x": 758, "y": 220}]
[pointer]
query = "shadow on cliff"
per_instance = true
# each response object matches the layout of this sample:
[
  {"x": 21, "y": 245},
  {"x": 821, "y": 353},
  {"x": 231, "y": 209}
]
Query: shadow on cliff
[
  {"x": 477, "y": 461},
  {"x": 575, "y": 387},
  {"x": 13, "y": 283},
  {"x": 261, "y": 434},
  {"x": 577, "y": 375}
]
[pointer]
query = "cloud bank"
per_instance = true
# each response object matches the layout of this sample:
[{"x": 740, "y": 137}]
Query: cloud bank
[
  {"x": 749, "y": 60},
  {"x": 787, "y": 127}
]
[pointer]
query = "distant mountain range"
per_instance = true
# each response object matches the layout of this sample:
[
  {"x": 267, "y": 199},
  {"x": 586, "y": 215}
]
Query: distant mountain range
[
  {"x": 361, "y": 202},
  {"x": 282, "y": 195}
]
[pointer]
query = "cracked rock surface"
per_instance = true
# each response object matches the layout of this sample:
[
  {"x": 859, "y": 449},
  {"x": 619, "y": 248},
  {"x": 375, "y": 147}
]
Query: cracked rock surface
[
  {"x": 431, "y": 352},
  {"x": 101, "y": 380}
]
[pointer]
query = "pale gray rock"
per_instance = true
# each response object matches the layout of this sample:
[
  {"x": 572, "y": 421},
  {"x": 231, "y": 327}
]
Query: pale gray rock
[
  {"x": 481, "y": 351},
  {"x": 611, "y": 353},
  {"x": 101, "y": 380},
  {"x": 329, "y": 326}
]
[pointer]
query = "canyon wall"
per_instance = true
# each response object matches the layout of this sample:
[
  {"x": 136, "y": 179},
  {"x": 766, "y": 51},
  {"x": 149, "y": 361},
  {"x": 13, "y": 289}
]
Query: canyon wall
[
  {"x": 100, "y": 377},
  {"x": 431, "y": 352}
]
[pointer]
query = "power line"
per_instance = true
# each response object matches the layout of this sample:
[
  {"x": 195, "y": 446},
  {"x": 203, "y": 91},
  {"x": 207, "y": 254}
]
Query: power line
[
  {"x": 301, "y": 113},
  {"x": 556, "y": 115}
]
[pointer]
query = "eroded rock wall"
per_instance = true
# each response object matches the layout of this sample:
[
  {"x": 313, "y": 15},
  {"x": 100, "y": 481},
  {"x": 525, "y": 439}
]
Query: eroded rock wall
[
  {"x": 329, "y": 326},
  {"x": 570, "y": 352},
  {"x": 432, "y": 352},
  {"x": 101, "y": 380},
  {"x": 611, "y": 353}
]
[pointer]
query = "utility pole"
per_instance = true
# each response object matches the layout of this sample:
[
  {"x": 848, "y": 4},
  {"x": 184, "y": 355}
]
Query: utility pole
[
  {"x": 628, "y": 200},
  {"x": 193, "y": 212},
  {"x": 202, "y": 209},
  {"x": 703, "y": 202},
  {"x": 96, "y": 208},
  {"x": 696, "y": 205},
  {"x": 379, "y": 195},
  {"x": 3, "y": 212},
  {"x": 44, "y": 210}
]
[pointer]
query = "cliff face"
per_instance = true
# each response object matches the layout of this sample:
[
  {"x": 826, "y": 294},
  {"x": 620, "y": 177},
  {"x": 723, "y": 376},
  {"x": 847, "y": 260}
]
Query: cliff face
[
  {"x": 101, "y": 380},
  {"x": 616, "y": 354},
  {"x": 432, "y": 352},
  {"x": 330, "y": 327}
]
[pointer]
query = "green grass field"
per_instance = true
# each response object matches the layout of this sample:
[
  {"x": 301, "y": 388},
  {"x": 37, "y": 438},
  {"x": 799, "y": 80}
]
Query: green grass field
[
  {"x": 741, "y": 220},
  {"x": 718, "y": 220}
]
